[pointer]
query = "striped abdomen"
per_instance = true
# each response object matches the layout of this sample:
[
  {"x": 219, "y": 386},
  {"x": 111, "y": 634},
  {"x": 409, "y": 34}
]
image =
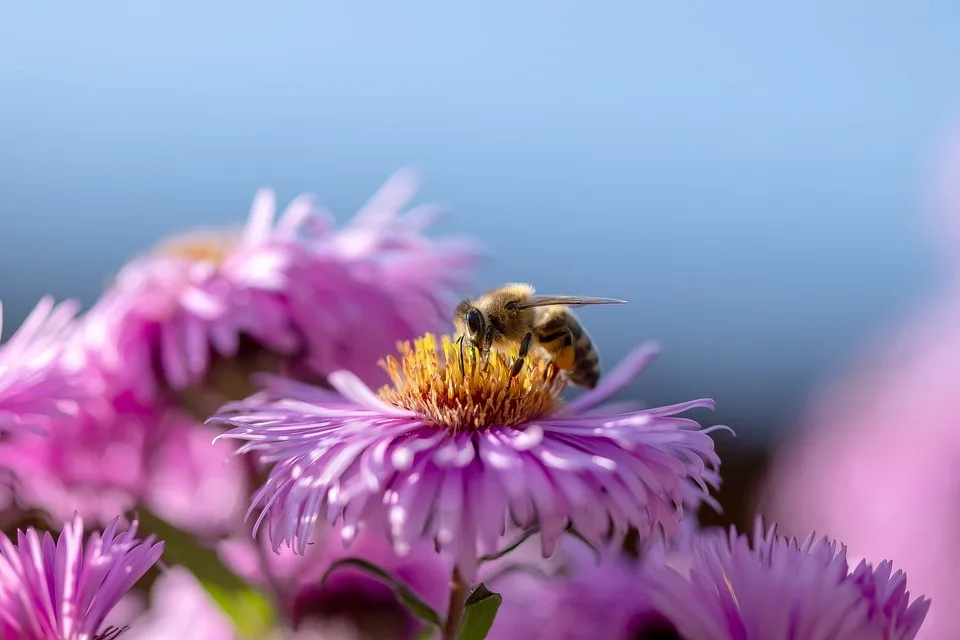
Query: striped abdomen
[{"x": 561, "y": 335}]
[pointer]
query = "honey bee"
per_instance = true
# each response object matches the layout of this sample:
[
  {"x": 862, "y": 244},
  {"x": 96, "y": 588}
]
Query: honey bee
[{"x": 513, "y": 315}]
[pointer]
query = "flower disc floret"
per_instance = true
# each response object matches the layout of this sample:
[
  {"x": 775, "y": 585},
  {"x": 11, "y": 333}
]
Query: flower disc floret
[{"x": 428, "y": 380}]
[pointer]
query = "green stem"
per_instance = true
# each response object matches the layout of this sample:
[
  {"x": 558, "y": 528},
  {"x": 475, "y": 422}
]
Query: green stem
[{"x": 458, "y": 596}]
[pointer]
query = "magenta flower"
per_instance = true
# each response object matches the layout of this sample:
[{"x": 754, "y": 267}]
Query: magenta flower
[
  {"x": 873, "y": 440},
  {"x": 168, "y": 312},
  {"x": 64, "y": 590},
  {"x": 34, "y": 386},
  {"x": 375, "y": 281},
  {"x": 292, "y": 285},
  {"x": 118, "y": 452},
  {"x": 455, "y": 456},
  {"x": 776, "y": 588}
]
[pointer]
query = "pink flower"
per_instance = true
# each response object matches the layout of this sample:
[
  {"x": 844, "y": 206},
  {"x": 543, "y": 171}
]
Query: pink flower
[
  {"x": 34, "y": 386},
  {"x": 64, "y": 589},
  {"x": 119, "y": 452},
  {"x": 195, "y": 486},
  {"x": 875, "y": 464},
  {"x": 292, "y": 285},
  {"x": 765, "y": 586}
]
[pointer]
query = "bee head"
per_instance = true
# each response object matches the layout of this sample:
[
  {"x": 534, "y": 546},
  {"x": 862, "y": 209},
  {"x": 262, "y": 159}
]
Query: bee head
[{"x": 470, "y": 322}]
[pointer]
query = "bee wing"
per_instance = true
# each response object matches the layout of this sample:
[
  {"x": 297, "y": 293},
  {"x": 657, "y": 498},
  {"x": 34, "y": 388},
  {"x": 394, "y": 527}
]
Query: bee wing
[{"x": 566, "y": 301}]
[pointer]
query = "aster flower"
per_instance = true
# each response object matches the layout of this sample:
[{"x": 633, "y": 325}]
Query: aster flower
[
  {"x": 455, "y": 455},
  {"x": 376, "y": 280},
  {"x": 63, "y": 589},
  {"x": 776, "y": 588},
  {"x": 34, "y": 387},
  {"x": 167, "y": 312},
  {"x": 288, "y": 287},
  {"x": 118, "y": 452}
]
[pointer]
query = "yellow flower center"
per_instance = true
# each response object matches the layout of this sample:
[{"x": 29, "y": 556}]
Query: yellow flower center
[
  {"x": 200, "y": 246},
  {"x": 429, "y": 381}
]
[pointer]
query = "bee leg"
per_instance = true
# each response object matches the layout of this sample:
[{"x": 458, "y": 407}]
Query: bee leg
[
  {"x": 487, "y": 343},
  {"x": 524, "y": 350}
]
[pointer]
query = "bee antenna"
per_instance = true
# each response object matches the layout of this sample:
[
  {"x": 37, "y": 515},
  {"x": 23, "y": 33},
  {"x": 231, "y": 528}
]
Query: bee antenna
[{"x": 463, "y": 371}]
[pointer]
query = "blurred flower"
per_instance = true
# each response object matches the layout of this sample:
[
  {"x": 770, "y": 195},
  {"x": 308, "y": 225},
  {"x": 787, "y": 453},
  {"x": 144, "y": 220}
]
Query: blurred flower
[
  {"x": 166, "y": 312},
  {"x": 410, "y": 459},
  {"x": 875, "y": 463},
  {"x": 119, "y": 452},
  {"x": 34, "y": 387},
  {"x": 350, "y": 596},
  {"x": 577, "y": 595},
  {"x": 197, "y": 487},
  {"x": 94, "y": 464},
  {"x": 775, "y": 588},
  {"x": 181, "y": 609},
  {"x": 64, "y": 590},
  {"x": 291, "y": 286},
  {"x": 379, "y": 280},
  {"x": 587, "y": 600}
]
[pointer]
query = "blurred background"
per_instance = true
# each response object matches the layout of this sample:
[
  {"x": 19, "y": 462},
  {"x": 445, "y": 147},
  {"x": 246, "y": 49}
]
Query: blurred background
[{"x": 755, "y": 179}]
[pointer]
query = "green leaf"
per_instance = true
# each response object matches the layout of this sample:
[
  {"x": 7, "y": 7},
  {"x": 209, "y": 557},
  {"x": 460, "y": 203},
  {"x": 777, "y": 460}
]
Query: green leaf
[
  {"x": 510, "y": 547},
  {"x": 481, "y": 609},
  {"x": 405, "y": 594},
  {"x": 249, "y": 609}
]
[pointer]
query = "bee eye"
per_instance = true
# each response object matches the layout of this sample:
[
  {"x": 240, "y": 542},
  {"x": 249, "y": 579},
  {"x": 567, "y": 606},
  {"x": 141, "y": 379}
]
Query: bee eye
[{"x": 474, "y": 321}]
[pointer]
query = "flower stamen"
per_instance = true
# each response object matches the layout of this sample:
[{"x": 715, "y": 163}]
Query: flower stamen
[{"x": 428, "y": 379}]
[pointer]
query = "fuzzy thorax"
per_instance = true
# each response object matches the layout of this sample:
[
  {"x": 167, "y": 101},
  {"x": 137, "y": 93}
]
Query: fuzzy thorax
[{"x": 427, "y": 379}]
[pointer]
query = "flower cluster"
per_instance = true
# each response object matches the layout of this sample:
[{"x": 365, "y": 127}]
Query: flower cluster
[{"x": 403, "y": 474}]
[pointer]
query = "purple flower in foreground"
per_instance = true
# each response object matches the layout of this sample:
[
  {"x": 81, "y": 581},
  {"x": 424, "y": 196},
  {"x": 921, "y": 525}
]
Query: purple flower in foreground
[
  {"x": 64, "y": 590},
  {"x": 454, "y": 456},
  {"x": 776, "y": 588},
  {"x": 34, "y": 386},
  {"x": 293, "y": 287}
]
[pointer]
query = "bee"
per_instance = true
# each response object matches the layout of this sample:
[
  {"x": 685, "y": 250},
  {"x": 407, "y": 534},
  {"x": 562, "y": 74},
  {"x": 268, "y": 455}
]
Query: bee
[{"x": 513, "y": 315}]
